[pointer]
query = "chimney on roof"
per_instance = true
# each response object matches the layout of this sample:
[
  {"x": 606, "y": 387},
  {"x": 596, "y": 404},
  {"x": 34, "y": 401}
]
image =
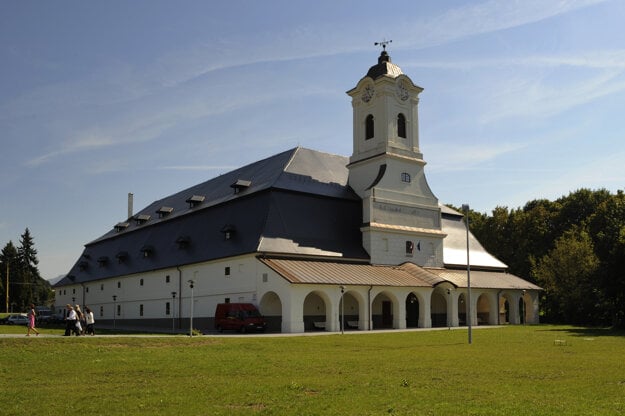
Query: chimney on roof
[{"x": 130, "y": 200}]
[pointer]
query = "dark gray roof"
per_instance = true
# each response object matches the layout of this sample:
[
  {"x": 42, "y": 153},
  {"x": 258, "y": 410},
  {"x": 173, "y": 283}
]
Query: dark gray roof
[
  {"x": 297, "y": 202},
  {"x": 384, "y": 67},
  {"x": 263, "y": 213},
  {"x": 298, "y": 169}
]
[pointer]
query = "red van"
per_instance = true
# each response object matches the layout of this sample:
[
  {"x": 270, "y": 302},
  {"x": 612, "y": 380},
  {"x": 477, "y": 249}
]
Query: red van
[{"x": 242, "y": 317}]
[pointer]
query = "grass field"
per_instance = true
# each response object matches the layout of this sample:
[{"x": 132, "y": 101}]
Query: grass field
[{"x": 520, "y": 370}]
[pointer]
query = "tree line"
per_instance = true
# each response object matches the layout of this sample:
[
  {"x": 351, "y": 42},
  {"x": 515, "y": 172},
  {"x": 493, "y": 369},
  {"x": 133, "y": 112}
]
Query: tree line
[
  {"x": 573, "y": 247},
  {"x": 20, "y": 281}
]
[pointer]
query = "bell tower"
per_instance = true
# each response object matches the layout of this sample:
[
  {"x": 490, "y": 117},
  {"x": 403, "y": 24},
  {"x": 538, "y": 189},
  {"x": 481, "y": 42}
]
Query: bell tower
[{"x": 401, "y": 216}]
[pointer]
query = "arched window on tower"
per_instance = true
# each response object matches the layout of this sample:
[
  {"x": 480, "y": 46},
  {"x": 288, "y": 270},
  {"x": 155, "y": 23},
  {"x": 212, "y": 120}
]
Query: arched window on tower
[
  {"x": 369, "y": 127},
  {"x": 401, "y": 125}
]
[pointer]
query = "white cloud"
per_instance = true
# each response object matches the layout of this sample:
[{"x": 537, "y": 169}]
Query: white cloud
[
  {"x": 468, "y": 156},
  {"x": 533, "y": 98}
]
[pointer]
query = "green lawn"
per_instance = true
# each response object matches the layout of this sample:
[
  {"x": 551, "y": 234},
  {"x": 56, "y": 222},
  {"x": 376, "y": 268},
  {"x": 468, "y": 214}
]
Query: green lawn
[{"x": 522, "y": 370}]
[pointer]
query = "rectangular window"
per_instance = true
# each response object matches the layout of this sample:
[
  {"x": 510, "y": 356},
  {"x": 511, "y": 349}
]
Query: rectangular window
[
  {"x": 73, "y": 291},
  {"x": 167, "y": 279},
  {"x": 227, "y": 271},
  {"x": 265, "y": 278},
  {"x": 87, "y": 289},
  {"x": 141, "y": 282},
  {"x": 409, "y": 247},
  {"x": 101, "y": 311},
  {"x": 119, "y": 285},
  {"x": 119, "y": 310},
  {"x": 405, "y": 177},
  {"x": 102, "y": 286},
  {"x": 141, "y": 310},
  {"x": 167, "y": 309}
]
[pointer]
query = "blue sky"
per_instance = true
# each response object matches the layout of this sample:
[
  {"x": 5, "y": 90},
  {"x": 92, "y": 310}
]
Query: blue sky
[{"x": 523, "y": 99}]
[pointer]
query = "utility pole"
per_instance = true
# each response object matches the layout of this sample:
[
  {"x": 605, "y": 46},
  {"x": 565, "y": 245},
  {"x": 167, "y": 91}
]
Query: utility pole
[{"x": 7, "y": 289}]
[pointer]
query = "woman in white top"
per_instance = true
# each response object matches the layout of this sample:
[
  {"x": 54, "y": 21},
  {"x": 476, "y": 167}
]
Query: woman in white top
[{"x": 90, "y": 320}]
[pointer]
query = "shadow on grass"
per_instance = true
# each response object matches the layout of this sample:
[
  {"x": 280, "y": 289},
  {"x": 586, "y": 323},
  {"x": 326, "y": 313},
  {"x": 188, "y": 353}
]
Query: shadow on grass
[{"x": 587, "y": 331}]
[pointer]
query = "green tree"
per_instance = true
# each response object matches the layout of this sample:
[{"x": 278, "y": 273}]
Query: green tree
[
  {"x": 568, "y": 275},
  {"x": 9, "y": 263},
  {"x": 607, "y": 226},
  {"x": 26, "y": 284}
]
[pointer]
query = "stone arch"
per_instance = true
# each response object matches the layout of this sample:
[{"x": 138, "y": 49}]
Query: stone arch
[
  {"x": 270, "y": 306},
  {"x": 384, "y": 309},
  {"x": 412, "y": 310},
  {"x": 522, "y": 310},
  {"x": 438, "y": 308},
  {"x": 317, "y": 311},
  {"x": 462, "y": 310},
  {"x": 353, "y": 312},
  {"x": 483, "y": 309},
  {"x": 531, "y": 303},
  {"x": 505, "y": 316}
]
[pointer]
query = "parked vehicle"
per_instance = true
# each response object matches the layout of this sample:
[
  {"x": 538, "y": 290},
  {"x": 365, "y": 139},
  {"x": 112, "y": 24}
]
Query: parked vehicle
[
  {"x": 242, "y": 317},
  {"x": 17, "y": 319},
  {"x": 44, "y": 315}
]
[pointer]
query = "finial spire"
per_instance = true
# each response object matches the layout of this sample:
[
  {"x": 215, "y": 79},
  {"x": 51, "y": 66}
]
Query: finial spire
[{"x": 383, "y": 44}]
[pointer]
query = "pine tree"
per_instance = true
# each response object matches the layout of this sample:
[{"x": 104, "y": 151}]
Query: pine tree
[{"x": 8, "y": 264}]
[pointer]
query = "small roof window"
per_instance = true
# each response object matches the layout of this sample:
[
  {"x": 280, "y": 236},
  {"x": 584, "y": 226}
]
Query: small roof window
[
  {"x": 121, "y": 226},
  {"x": 195, "y": 200},
  {"x": 228, "y": 230},
  {"x": 147, "y": 251},
  {"x": 164, "y": 211},
  {"x": 102, "y": 261},
  {"x": 122, "y": 256},
  {"x": 240, "y": 185},
  {"x": 142, "y": 219},
  {"x": 183, "y": 242}
]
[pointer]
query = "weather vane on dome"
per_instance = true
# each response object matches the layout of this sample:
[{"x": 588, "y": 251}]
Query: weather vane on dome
[{"x": 383, "y": 44}]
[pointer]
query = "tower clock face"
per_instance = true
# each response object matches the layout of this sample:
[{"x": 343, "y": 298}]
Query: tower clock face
[
  {"x": 402, "y": 91},
  {"x": 367, "y": 94}
]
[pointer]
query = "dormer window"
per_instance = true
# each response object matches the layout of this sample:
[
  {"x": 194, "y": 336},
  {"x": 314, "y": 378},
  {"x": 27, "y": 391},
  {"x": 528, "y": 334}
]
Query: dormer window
[
  {"x": 228, "y": 230},
  {"x": 102, "y": 261},
  {"x": 142, "y": 219},
  {"x": 121, "y": 257},
  {"x": 147, "y": 251},
  {"x": 183, "y": 242},
  {"x": 401, "y": 125},
  {"x": 164, "y": 211},
  {"x": 369, "y": 127},
  {"x": 121, "y": 226},
  {"x": 195, "y": 200},
  {"x": 240, "y": 185},
  {"x": 83, "y": 265}
]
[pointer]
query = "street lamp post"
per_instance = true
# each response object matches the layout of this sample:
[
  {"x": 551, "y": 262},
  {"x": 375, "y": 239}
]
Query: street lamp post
[
  {"x": 523, "y": 306},
  {"x": 114, "y": 309},
  {"x": 191, "y": 282},
  {"x": 173, "y": 312},
  {"x": 465, "y": 208},
  {"x": 342, "y": 309}
]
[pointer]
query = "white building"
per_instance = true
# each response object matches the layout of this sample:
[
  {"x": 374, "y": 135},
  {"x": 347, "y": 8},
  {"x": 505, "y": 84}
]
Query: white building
[{"x": 312, "y": 239}]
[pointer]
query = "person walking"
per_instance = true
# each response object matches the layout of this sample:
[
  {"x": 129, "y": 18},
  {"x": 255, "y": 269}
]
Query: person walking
[
  {"x": 90, "y": 320},
  {"x": 80, "y": 320},
  {"x": 32, "y": 318},
  {"x": 70, "y": 320}
]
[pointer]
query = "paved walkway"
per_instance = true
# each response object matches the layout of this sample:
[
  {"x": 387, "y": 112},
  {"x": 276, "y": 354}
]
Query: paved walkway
[{"x": 239, "y": 335}]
